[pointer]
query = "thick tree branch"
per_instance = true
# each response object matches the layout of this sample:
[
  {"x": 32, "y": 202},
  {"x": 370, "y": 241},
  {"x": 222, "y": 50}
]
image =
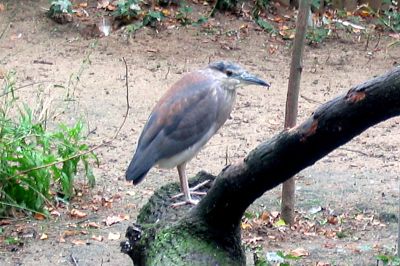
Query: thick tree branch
[{"x": 333, "y": 124}]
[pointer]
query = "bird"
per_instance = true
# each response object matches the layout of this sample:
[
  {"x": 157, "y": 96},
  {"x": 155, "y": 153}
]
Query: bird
[{"x": 186, "y": 117}]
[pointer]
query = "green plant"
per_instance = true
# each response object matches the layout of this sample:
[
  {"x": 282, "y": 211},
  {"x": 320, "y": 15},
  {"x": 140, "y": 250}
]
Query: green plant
[
  {"x": 127, "y": 9},
  {"x": 183, "y": 15},
  {"x": 225, "y": 4},
  {"x": 259, "y": 257},
  {"x": 265, "y": 25},
  {"x": 152, "y": 17},
  {"x": 60, "y": 7},
  {"x": 391, "y": 19},
  {"x": 259, "y": 6},
  {"x": 200, "y": 21},
  {"x": 37, "y": 163},
  {"x": 389, "y": 260},
  {"x": 12, "y": 240},
  {"x": 315, "y": 4},
  {"x": 317, "y": 35},
  {"x": 132, "y": 28},
  {"x": 287, "y": 257}
]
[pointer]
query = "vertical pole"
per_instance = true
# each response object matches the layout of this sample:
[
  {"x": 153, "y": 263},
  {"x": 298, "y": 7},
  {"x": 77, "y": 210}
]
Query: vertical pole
[{"x": 296, "y": 67}]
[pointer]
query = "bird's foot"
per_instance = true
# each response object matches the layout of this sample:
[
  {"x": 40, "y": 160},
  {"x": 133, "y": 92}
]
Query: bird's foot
[
  {"x": 193, "y": 190},
  {"x": 188, "y": 201}
]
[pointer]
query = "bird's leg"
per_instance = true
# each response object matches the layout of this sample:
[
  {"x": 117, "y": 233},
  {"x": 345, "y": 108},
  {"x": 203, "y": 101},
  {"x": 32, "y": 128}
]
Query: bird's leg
[{"x": 184, "y": 187}]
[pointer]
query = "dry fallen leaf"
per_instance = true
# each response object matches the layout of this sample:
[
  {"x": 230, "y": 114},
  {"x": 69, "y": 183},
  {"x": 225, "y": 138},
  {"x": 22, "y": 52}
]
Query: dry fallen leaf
[
  {"x": 83, "y": 4},
  {"x": 359, "y": 217},
  {"x": 62, "y": 240},
  {"x": 68, "y": 233},
  {"x": 77, "y": 214},
  {"x": 265, "y": 216},
  {"x": 245, "y": 226},
  {"x": 2, "y": 7},
  {"x": 275, "y": 214},
  {"x": 111, "y": 7},
  {"x": 5, "y": 222},
  {"x": 333, "y": 220},
  {"x": 130, "y": 193},
  {"x": 97, "y": 238},
  {"x": 39, "y": 216},
  {"x": 102, "y": 4},
  {"x": 166, "y": 12},
  {"x": 78, "y": 242},
  {"x": 110, "y": 220},
  {"x": 125, "y": 217},
  {"x": 93, "y": 225},
  {"x": 299, "y": 252},
  {"x": 112, "y": 236},
  {"x": 279, "y": 19},
  {"x": 43, "y": 237},
  {"x": 55, "y": 213}
]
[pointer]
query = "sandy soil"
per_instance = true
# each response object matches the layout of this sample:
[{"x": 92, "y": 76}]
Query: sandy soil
[{"x": 360, "y": 178}]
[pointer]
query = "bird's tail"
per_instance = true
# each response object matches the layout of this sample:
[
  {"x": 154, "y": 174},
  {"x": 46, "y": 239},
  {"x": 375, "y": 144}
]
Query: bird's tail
[{"x": 138, "y": 168}]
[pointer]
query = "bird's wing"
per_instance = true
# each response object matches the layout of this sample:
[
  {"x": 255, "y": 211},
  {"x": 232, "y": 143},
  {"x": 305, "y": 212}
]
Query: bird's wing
[{"x": 181, "y": 118}]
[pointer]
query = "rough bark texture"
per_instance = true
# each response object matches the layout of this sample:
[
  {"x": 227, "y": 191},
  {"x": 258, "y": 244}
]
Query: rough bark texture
[
  {"x": 292, "y": 99},
  {"x": 209, "y": 234}
]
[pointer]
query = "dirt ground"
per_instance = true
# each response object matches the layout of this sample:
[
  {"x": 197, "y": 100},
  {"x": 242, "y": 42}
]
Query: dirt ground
[{"x": 361, "y": 178}]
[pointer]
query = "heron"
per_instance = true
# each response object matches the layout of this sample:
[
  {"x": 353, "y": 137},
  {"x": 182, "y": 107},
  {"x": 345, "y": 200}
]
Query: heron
[{"x": 186, "y": 117}]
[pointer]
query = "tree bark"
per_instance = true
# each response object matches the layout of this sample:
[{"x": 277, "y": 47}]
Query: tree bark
[
  {"x": 296, "y": 67},
  {"x": 210, "y": 232}
]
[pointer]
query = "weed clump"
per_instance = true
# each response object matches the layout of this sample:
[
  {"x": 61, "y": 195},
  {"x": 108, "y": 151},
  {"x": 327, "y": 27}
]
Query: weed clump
[{"x": 37, "y": 164}]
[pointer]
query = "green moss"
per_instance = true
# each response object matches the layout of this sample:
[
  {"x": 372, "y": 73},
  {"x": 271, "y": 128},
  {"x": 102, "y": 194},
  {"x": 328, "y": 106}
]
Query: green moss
[
  {"x": 174, "y": 236},
  {"x": 177, "y": 245}
]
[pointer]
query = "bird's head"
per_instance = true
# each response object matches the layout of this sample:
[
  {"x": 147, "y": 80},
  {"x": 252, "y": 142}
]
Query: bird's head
[{"x": 234, "y": 76}]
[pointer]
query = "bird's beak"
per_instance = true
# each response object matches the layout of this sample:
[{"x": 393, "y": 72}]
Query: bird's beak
[{"x": 248, "y": 78}]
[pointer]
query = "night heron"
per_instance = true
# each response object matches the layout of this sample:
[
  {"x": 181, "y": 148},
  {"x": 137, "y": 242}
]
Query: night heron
[{"x": 186, "y": 117}]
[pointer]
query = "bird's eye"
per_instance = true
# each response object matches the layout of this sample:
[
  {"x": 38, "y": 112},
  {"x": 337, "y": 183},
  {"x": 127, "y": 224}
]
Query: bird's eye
[{"x": 229, "y": 73}]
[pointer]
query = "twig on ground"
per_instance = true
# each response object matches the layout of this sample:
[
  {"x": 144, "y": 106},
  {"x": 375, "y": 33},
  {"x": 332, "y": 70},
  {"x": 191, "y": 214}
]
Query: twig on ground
[
  {"x": 356, "y": 151},
  {"x": 5, "y": 30},
  {"x": 310, "y": 100},
  {"x": 74, "y": 261},
  {"x": 43, "y": 62},
  {"x": 166, "y": 75},
  {"x": 127, "y": 99},
  {"x": 377, "y": 43},
  {"x": 367, "y": 43}
]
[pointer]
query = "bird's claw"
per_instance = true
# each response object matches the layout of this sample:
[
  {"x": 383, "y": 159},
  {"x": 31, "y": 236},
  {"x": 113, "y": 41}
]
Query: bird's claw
[
  {"x": 188, "y": 201},
  {"x": 193, "y": 190},
  {"x": 199, "y": 193}
]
